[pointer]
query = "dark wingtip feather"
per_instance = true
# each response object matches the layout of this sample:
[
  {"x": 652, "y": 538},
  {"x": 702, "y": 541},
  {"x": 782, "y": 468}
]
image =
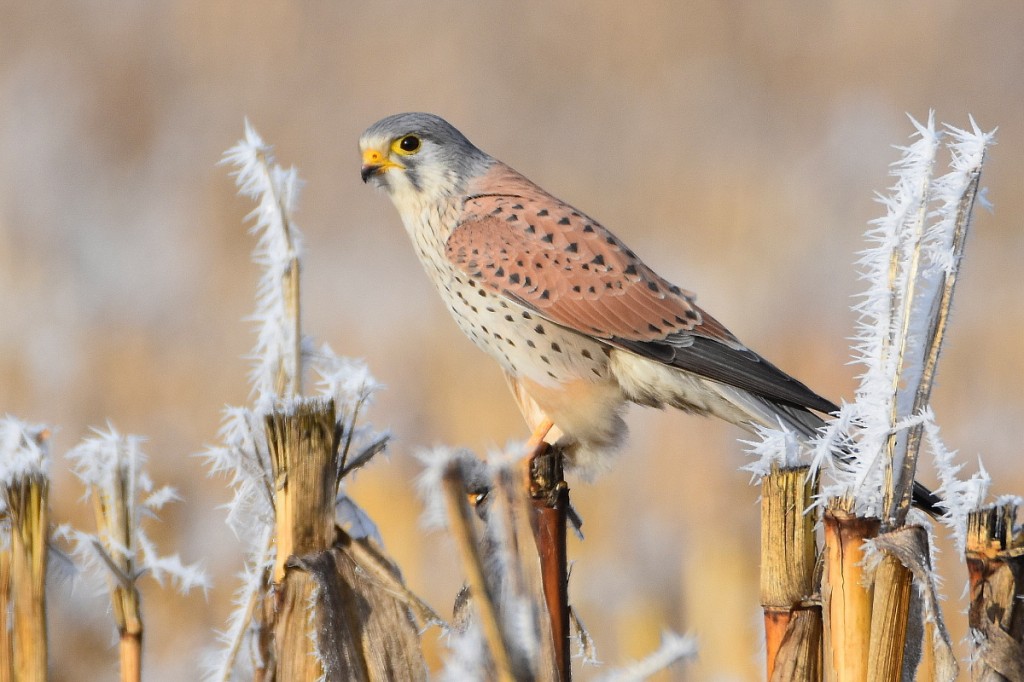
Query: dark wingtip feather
[{"x": 735, "y": 366}]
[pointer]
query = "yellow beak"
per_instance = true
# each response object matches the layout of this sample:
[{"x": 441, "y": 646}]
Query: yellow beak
[{"x": 376, "y": 162}]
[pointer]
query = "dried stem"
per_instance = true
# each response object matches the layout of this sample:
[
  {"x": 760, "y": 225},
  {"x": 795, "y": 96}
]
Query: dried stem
[
  {"x": 787, "y": 574},
  {"x": 129, "y": 624},
  {"x": 549, "y": 494},
  {"x": 6, "y": 640},
  {"x": 899, "y": 323},
  {"x": 847, "y": 596},
  {"x": 289, "y": 378},
  {"x": 461, "y": 523},
  {"x": 371, "y": 561},
  {"x": 27, "y": 503},
  {"x": 938, "y": 320},
  {"x": 889, "y": 613},
  {"x": 26, "y": 496},
  {"x": 302, "y": 453},
  {"x": 995, "y": 562},
  {"x": 239, "y": 631},
  {"x": 116, "y": 524}
]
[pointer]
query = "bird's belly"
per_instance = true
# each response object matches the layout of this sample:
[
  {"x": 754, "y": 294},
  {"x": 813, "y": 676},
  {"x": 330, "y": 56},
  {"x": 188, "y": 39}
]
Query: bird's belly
[{"x": 525, "y": 344}]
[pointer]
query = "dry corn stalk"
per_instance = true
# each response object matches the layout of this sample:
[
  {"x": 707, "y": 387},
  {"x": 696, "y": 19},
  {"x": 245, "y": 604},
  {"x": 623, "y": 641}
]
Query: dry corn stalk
[
  {"x": 995, "y": 561},
  {"x": 846, "y": 594},
  {"x": 26, "y": 493},
  {"x": 792, "y": 620}
]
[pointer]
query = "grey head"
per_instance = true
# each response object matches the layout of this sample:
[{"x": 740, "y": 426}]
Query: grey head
[{"x": 419, "y": 156}]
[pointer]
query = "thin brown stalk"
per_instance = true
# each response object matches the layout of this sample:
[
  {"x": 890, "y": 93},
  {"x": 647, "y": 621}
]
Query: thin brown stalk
[
  {"x": 289, "y": 378},
  {"x": 549, "y": 495},
  {"x": 116, "y": 524},
  {"x": 788, "y": 560},
  {"x": 511, "y": 520},
  {"x": 130, "y": 652},
  {"x": 460, "y": 518},
  {"x": 128, "y": 615},
  {"x": 846, "y": 594}
]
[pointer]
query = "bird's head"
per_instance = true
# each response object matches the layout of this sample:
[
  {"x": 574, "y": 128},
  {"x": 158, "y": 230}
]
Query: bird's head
[{"x": 418, "y": 158}]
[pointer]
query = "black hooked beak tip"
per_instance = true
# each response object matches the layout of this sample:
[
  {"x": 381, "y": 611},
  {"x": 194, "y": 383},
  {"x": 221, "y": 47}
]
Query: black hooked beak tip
[{"x": 367, "y": 171}]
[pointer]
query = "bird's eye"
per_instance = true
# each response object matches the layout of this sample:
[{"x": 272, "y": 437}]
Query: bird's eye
[{"x": 409, "y": 144}]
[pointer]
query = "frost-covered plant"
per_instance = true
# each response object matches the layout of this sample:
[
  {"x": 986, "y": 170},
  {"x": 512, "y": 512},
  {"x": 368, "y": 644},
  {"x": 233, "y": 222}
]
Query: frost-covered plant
[
  {"x": 674, "y": 649},
  {"x": 277, "y": 357},
  {"x": 869, "y": 451},
  {"x": 500, "y": 628},
  {"x": 281, "y": 358},
  {"x": 24, "y": 492},
  {"x": 911, "y": 267},
  {"x": 111, "y": 466},
  {"x": 24, "y": 452},
  {"x": 501, "y": 632}
]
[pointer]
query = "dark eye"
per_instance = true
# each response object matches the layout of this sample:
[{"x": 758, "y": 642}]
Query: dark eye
[{"x": 409, "y": 144}]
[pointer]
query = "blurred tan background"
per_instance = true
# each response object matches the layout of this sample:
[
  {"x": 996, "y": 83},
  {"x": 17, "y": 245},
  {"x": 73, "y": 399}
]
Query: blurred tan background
[{"x": 735, "y": 145}]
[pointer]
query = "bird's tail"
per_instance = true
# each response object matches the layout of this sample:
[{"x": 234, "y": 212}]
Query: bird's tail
[{"x": 806, "y": 423}]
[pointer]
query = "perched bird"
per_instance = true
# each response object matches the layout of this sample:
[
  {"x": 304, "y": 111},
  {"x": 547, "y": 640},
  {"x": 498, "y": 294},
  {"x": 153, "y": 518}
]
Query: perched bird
[{"x": 580, "y": 325}]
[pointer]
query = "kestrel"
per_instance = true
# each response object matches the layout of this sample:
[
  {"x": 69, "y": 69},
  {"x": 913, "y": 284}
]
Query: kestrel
[{"x": 580, "y": 325}]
